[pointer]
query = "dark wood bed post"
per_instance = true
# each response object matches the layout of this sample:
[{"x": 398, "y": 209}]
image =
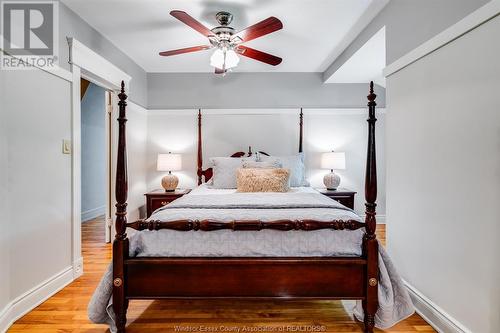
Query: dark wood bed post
[
  {"x": 120, "y": 244},
  {"x": 301, "y": 132},
  {"x": 200, "y": 153},
  {"x": 370, "y": 243}
]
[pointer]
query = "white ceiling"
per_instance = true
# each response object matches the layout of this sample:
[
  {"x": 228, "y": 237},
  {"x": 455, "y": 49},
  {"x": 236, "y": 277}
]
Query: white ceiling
[{"x": 309, "y": 41}]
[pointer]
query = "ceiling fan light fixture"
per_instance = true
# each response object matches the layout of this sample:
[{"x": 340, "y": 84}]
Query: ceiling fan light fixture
[{"x": 224, "y": 59}]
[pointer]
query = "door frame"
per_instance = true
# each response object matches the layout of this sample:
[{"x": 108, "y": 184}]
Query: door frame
[
  {"x": 91, "y": 66},
  {"x": 109, "y": 131}
]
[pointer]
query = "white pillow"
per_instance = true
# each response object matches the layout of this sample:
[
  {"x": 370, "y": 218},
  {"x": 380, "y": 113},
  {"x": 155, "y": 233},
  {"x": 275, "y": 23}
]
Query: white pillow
[
  {"x": 295, "y": 163},
  {"x": 224, "y": 168}
]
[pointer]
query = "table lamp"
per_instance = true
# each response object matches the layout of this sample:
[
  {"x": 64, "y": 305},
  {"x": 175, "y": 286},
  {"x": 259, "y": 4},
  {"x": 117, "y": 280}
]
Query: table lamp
[
  {"x": 169, "y": 162},
  {"x": 332, "y": 161}
]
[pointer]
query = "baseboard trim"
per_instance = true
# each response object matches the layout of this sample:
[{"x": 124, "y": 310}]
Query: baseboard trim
[
  {"x": 34, "y": 297},
  {"x": 380, "y": 219},
  {"x": 77, "y": 268},
  {"x": 93, "y": 213},
  {"x": 439, "y": 319}
]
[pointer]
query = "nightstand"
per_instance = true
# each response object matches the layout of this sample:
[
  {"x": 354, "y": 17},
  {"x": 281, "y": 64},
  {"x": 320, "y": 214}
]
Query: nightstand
[
  {"x": 342, "y": 195},
  {"x": 159, "y": 198}
]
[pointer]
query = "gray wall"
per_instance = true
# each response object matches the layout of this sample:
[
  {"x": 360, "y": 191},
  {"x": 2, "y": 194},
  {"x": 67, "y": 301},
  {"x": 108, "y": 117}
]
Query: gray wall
[
  {"x": 253, "y": 90},
  {"x": 93, "y": 152},
  {"x": 4, "y": 213},
  {"x": 409, "y": 23},
  {"x": 71, "y": 25},
  {"x": 443, "y": 189},
  {"x": 40, "y": 235}
]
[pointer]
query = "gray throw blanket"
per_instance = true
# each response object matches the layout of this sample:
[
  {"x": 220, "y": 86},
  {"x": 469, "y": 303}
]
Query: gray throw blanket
[
  {"x": 271, "y": 200},
  {"x": 394, "y": 302}
]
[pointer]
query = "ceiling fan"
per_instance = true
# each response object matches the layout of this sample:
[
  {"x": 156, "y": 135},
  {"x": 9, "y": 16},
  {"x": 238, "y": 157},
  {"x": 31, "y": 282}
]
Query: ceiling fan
[{"x": 227, "y": 41}]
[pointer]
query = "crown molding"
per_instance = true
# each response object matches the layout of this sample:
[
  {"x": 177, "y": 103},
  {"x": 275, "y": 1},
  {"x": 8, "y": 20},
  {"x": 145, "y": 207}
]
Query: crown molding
[{"x": 470, "y": 22}]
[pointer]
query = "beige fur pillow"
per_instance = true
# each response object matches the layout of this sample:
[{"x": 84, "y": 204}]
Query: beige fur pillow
[{"x": 262, "y": 180}]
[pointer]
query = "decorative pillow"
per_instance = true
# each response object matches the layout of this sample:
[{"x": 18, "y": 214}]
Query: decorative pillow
[
  {"x": 262, "y": 165},
  {"x": 262, "y": 180},
  {"x": 225, "y": 170},
  {"x": 295, "y": 163}
]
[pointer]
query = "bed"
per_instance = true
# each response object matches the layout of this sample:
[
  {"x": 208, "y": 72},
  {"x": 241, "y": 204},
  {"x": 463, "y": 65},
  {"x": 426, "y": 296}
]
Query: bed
[{"x": 221, "y": 244}]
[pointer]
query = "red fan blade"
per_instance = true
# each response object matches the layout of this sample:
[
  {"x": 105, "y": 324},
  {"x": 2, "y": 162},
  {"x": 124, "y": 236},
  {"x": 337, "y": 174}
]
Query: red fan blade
[
  {"x": 258, "y": 55},
  {"x": 219, "y": 71},
  {"x": 185, "y": 50},
  {"x": 190, "y": 21},
  {"x": 260, "y": 29}
]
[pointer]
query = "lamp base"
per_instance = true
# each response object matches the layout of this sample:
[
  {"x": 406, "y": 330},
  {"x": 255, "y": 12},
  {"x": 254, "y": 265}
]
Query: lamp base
[
  {"x": 331, "y": 181},
  {"x": 170, "y": 182}
]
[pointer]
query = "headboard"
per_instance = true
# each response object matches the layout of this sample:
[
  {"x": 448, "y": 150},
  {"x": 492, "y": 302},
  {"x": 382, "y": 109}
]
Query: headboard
[{"x": 206, "y": 175}]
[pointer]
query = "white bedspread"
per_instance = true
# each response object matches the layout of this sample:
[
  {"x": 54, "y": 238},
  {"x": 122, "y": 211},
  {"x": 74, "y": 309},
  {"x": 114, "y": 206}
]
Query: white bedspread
[{"x": 205, "y": 203}]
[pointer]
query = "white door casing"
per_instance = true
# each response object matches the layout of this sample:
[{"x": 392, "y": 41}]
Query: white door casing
[{"x": 96, "y": 69}]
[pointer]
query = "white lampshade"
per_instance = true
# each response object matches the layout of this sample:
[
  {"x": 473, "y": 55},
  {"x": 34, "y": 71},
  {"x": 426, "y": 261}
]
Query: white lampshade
[
  {"x": 232, "y": 59},
  {"x": 224, "y": 59},
  {"x": 333, "y": 161},
  {"x": 169, "y": 162},
  {"x": 217, "y": 59}
]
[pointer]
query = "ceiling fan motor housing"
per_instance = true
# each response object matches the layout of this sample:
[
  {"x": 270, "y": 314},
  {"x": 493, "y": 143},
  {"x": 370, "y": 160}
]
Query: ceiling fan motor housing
[
  {"x": 223, "y": 32},
  {"x": 224, "y": 18}
]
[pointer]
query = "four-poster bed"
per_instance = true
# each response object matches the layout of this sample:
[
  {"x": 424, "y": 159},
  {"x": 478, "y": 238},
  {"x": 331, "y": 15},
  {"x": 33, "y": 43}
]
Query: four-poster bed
[{"x": 345, "y": 277}]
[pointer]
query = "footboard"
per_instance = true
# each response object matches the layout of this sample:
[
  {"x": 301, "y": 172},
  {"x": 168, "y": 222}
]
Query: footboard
[{"x": 331, "y": 278}]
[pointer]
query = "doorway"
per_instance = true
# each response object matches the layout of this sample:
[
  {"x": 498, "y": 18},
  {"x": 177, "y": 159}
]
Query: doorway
[{"x": 95, "y": 157}]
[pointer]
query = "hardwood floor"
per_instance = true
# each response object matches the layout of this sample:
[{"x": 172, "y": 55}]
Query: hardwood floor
[{"x": 67, "y": 310}]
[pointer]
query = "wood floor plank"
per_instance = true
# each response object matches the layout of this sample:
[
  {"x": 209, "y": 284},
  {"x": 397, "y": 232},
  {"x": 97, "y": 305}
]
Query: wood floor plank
[{"x": 66, "y": 311}]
